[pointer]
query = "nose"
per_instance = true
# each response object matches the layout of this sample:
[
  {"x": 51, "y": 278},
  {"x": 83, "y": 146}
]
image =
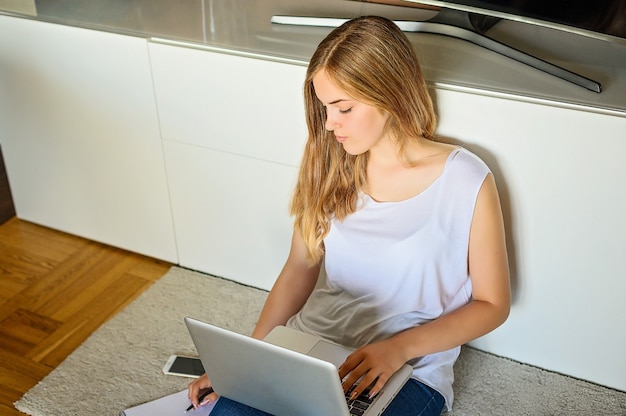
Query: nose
[{"x": 331, "y": 122}]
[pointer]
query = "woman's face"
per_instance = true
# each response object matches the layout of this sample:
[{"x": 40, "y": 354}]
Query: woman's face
[{"x": 359, "y": 127}]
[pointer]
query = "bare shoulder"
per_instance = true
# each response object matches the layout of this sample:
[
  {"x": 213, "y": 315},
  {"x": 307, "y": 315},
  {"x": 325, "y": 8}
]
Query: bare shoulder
[
  {"x": 443, "y": 147},
  {"x": 435, "y": 154}
]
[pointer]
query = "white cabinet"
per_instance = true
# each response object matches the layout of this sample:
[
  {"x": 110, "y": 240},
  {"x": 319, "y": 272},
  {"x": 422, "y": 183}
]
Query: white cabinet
[
  {"x": 562, "y": 179},
  {"x": 80, "y": 136},
  {"x": 234, "y": 131},
  {"x": 231, "y": 212}
]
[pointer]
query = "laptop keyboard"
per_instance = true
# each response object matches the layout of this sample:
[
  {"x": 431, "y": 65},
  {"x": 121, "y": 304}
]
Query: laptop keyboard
[{"x": 359, "y": 405}]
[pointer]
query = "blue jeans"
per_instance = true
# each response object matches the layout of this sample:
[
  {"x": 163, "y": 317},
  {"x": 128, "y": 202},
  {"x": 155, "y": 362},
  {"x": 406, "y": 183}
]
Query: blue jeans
[{"x": 414, "y": 399}]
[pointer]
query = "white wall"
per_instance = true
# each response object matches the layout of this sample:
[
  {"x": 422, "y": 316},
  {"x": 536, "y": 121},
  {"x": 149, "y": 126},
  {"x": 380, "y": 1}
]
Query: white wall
[{"x": 562, "y": 178}]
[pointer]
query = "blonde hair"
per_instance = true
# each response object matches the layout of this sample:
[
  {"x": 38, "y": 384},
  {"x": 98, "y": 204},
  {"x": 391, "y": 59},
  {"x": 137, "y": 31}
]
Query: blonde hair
[{"x": 372, "y": 60}]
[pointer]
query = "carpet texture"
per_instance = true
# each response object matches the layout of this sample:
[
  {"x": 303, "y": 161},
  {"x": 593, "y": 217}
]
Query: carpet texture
[{"x": 120, "y": 365}]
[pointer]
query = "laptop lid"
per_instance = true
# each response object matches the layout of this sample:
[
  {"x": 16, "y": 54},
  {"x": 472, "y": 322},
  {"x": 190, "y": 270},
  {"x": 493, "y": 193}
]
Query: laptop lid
[{"x": 275, "y": 379}]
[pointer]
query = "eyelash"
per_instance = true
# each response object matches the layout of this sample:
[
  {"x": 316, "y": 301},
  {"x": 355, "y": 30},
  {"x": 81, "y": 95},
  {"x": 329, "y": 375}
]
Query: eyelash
[{"x": 345, "y": 111}]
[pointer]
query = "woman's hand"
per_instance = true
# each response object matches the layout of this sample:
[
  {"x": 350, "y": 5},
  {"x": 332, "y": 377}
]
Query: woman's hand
[
  {"x": 196, "y": 388},
  {"x": 373, "y": 364}
]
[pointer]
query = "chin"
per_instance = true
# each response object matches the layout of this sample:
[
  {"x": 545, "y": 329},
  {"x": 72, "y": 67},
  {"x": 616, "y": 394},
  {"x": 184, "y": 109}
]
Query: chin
[{"x": 353, "y": 151}]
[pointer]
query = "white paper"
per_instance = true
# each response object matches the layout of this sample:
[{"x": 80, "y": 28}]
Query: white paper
[{"x": 172, "y": 405}]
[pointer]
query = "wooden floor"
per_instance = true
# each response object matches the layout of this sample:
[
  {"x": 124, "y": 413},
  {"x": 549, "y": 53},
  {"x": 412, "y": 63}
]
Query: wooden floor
[{"x": 55, "y": 290}]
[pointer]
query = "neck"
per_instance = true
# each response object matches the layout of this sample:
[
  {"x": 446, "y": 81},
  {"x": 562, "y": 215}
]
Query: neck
[{"x": 387, "y": 153}]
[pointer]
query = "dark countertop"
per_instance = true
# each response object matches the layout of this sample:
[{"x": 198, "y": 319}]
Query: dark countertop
[{"x": 244, "y": 27}]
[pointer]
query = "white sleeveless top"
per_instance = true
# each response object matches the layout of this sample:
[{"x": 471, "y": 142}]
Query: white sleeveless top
[{"x": 391, "y": 266}]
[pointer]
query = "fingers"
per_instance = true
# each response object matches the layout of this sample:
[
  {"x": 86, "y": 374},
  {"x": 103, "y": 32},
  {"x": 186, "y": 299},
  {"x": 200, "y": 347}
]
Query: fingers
[
  {"x": 361, "y": 372},
  {"x": 370, "y": 383},
  {"x": 210, "y": 398},
  {"x": 352, "y": 370},
  {"x": 356, "y": 376},
  {"x": 349, "y": 365},
  {"x": 377, "y": 386},
  {"x": 197, "y": 388}
]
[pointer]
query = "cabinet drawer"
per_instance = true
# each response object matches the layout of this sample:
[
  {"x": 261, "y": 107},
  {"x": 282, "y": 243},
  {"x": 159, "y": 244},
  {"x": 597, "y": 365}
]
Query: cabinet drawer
[
  {"x": 230, "y": 213},
  {"x": 235, "y": 104}
]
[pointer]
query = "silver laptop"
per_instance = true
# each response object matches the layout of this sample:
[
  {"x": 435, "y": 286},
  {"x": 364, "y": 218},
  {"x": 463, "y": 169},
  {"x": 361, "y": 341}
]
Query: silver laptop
[{"x": 289, "y": 373}]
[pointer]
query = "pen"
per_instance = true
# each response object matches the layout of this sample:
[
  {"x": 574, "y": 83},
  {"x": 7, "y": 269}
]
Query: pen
[{"x": 201, "y": 397}]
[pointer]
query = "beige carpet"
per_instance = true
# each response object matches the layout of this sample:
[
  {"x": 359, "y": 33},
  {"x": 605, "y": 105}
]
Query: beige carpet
[{"x": 120, "y": 365}]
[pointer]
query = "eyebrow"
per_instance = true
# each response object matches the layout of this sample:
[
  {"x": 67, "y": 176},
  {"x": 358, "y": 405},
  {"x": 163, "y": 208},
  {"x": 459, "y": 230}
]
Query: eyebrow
[{"x": 337, "y": 101}]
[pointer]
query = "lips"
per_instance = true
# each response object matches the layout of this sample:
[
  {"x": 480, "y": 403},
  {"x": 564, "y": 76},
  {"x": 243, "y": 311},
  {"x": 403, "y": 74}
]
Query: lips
[{"x": 341, "y": 139}]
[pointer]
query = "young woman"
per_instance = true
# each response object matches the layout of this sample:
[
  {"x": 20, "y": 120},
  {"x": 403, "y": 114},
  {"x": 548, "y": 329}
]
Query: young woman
[{"x": 409, "y": 230}]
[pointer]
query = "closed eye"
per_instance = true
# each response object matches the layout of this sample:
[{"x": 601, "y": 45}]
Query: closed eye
[{"x": 345, "y": 111}]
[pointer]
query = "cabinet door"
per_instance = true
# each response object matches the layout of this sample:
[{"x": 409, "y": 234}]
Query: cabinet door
[
  {"x": 231, "y": 213},
  {"x": 233, "y": 130},
  {"x": 80, "y": 135},
  {"x": 562, "y": 181}
]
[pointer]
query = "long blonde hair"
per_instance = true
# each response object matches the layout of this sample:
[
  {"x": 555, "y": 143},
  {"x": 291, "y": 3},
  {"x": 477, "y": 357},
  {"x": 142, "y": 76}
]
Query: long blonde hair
[{"x": 372, "y": 60}]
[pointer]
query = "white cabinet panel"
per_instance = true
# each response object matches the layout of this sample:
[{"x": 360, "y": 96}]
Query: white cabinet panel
[
  {"x": 240, "y": 105},
  {"x": 562, "y": 178},
  {"x": 234, "y": 132},
  {"x": 80, "y": 135},
  {"x": 231, "y": 213}
]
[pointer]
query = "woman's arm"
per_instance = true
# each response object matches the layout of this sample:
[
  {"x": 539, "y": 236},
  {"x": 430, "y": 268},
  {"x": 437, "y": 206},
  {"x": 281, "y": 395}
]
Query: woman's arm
[
  {"x": 292, "y": 288},
  {"x": 491, "y": 291},
  {"x": 489, "y": 307}
]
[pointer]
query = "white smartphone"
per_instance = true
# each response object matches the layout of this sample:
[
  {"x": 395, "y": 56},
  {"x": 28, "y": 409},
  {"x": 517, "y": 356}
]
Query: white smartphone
[{"x": 178, "y": 365}]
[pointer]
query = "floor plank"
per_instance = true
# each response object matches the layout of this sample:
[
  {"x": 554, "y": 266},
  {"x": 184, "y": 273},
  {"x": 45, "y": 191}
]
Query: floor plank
[{"x": 55, "y": 291}]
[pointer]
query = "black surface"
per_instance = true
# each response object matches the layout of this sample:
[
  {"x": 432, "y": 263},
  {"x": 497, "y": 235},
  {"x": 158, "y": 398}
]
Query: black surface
[{"x": 7, "y": 209}]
